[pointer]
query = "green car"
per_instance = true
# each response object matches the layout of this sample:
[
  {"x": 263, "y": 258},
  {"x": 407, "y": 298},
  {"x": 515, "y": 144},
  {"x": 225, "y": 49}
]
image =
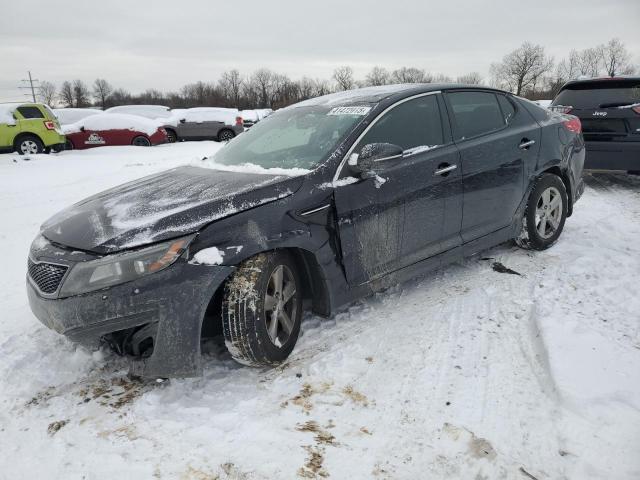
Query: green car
[{"x": 29, "y": 128}]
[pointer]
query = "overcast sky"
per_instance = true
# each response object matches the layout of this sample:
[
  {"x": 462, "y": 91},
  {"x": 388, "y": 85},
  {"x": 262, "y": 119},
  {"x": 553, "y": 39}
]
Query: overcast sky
[{"x": 138, "y": 44}]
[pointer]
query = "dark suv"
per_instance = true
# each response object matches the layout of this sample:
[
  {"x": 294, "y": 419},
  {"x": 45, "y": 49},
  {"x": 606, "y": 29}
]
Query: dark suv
[
  {"x": 609, "y": 109},
  {"x": 317, "y": 205}
]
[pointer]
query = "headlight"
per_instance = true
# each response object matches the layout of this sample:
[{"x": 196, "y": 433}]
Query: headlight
[{"x": 120, "y": 268}]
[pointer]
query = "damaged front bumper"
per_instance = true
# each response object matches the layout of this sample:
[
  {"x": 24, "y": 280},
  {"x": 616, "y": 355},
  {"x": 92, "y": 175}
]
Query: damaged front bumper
[{"x": 175, "y": 299}]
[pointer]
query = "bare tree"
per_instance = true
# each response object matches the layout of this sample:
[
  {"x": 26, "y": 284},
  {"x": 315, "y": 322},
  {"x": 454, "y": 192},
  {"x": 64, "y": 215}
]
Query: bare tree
[
  {"x": 377, "y": 76},
  {"x": 615, "y": 58},
  {"x": 101, "y": 91},
  {"x": 440, "y": 78},
  {"x": 80, "y": 94},
  {"x": 522, "y": 69},
  {"x": 590, "y": 62},
  {"x": 120, "y": 97},
  {"x": 47, "y": 92},
  {"x": 344, "y": 78},
  {"x": 260, "y": 87},
  {"x": 471, "y": 78},
  {"x": 231, "y": 86},
  {"x": 322, "y": 87},
  {"x": 66, "y": 94},
  {"x": 409, "y": 75}
]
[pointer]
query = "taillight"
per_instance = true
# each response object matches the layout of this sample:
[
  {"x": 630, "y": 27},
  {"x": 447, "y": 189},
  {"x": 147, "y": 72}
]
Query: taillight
[
  {"x": 636, "y": 109},
  {"x": 560, "y": 108},
  {"x": 573, "y": 125},
  {"x": 49, "y": 125},
  {"x": 238, "y": 121}
]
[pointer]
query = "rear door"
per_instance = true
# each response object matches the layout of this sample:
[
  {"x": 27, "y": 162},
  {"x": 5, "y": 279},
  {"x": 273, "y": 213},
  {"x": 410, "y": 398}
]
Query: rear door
[
  {"x": 398, "y": 218},
  {"x": 496, "y": 138}
]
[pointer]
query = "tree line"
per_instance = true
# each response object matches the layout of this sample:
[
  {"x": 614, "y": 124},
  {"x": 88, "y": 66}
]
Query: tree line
[{"x": 526, "y": 71}]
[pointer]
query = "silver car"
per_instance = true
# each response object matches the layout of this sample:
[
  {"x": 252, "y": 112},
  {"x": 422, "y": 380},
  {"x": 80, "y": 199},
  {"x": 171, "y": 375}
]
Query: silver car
[{"x": 204, "y": 123}]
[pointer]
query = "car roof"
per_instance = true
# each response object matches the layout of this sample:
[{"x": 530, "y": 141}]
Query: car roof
[
  {"x": 377, "y": 94},
  {"x": 598, "y": 81}
]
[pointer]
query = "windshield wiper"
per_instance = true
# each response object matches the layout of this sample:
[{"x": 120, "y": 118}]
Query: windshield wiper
[{"x": 615, "y": 104}]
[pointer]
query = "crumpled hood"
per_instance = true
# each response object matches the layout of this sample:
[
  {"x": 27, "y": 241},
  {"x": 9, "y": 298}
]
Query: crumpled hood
[{"x": 162, "y": 206}]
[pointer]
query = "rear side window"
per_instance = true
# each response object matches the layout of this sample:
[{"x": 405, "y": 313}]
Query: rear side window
[
  {"x": 475, "y": 113},
  {"x": 603, "y": 94},
  {"x": 30, "y": 112},
  {"x": 508, "y": 110},
  {"x": 411, "y": 124}
]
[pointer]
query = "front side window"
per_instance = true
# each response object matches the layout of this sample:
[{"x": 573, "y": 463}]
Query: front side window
[
  {"x": 30, "y": 112},
  {"x": 475, "y": 113},
  {"x": 414, "y": 123}
]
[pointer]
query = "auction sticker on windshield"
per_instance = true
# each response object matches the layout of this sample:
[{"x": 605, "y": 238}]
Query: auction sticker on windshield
[{"x": 349, "y": 111}]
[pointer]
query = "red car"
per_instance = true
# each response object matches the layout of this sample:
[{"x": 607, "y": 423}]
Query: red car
[{"x": 108, "y": 129}]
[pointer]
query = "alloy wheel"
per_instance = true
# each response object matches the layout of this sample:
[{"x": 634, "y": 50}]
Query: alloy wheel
[
  {"x": 29, "y": 147},
  {"x": 226, "y": 135},
  {"x": 280, "y": 305},
  {"x": 548, "y": 212}
]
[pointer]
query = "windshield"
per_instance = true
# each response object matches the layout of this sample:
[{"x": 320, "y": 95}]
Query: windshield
[
  {"x": 299, "y": 137},
  {"x": 599, "y": 95}
]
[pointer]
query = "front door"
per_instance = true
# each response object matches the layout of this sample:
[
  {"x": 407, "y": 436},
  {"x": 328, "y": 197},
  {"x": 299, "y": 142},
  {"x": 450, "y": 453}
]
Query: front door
[
  {"x": 397, "y": 217},
  {"x": 496, "y": 140}
]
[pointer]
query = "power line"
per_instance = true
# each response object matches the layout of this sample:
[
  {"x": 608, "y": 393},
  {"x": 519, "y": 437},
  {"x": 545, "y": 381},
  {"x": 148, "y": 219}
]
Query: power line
[{"x": 31, "y": 86}]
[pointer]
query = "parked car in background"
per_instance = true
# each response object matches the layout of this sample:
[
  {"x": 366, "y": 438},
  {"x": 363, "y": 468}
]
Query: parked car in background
[
  {"x": 29, "y": 128},
  {"x": 251, "y": 117},
  {"x": 609, "y": 109},
  {"x": 147, "y": 111},
  {"x": 205, "y": 123},
  {"x": 543, "y": 103},
  {"x": 114, "y": 129},
  {"x": 327, "y": 201},
  {"x": 67, "y": 116}
]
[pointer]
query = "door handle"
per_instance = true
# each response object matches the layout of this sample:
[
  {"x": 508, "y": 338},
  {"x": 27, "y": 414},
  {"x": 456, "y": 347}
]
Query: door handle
[
  {"x": 444, "y": 169},
  {"x": 525, "y": 143}
]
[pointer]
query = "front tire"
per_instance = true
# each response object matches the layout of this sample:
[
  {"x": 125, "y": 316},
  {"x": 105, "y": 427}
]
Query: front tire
[
  {"x": 262, "y": 309},
  {"x": 29, "y": 145},
  {"x": 172, "y": 137},
  {"x": 545, "y": 214}
]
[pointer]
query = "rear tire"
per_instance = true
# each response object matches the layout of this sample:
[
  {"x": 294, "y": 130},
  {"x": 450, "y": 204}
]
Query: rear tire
[
  {"x": 28, "y": 145},
  {"x": 141, "y": 141},
  {"x": 262, "y": 309},
  {"x": 545, "y": 214},
  {"x": 225, "y": 135}
]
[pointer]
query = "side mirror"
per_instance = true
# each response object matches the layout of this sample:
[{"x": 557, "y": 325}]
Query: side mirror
[
  {"x": 182, "y": 120},
  {"x": 82, "y": 128},
  {"x": 372, "y": 157}
]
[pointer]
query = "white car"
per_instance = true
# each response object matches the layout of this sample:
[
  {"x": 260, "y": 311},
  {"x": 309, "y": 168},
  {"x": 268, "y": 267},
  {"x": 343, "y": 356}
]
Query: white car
[{"x": 67, "y": 116}]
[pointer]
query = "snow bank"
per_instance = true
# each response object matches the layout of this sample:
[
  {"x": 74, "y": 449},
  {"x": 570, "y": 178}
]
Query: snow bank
[
  {"x": 67, "y": 116},
  {"x": 115, "y": 121}
]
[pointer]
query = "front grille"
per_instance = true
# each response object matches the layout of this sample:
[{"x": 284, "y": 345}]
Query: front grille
[{"x": 47, "y": 276}]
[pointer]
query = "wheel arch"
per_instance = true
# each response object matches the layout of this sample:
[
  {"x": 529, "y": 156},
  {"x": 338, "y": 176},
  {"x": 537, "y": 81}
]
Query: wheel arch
[
  {"x": 556, "y": 170},
  {"x": 21, "y": 135},
  {"x": 314, "y": 286}
]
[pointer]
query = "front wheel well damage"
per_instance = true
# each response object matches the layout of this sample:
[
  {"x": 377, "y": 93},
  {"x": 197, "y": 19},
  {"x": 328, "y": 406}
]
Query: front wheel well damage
[{"x": 313, "y": 285}]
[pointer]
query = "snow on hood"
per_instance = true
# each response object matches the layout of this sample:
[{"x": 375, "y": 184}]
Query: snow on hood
[
  {"x": 252, "y": 168},
  {"x": 162, "y": 206},
  {"x": 114, "y": 121}
]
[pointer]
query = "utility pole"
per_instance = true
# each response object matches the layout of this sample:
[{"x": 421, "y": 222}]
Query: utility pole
[{"x": 31, "y": 86}]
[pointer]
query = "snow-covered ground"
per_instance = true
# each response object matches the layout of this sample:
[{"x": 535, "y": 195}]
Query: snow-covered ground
[{"x": 467, "y": 373}]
